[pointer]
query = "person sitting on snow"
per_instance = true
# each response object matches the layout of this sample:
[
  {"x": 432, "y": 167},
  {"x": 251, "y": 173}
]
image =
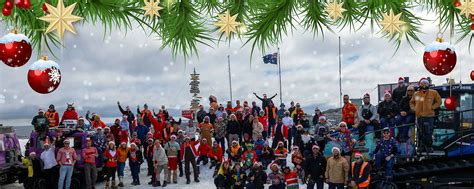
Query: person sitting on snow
[
  {"x": 235, "y": 151},
  {"x": 203, "y": 150},
  {"x": 281, "y": 153},
  {"x": 249, "y": 157}
]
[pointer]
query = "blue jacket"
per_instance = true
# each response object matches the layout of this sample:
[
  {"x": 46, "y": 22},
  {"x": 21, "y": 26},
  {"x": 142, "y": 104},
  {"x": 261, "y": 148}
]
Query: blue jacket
[
  {"x": 142, "y": 131},
  {"x": 258, "y": 145}
]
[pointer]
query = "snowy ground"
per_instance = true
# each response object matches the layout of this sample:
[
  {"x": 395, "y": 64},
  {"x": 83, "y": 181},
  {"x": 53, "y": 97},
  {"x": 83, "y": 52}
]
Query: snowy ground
[{"x": 206, "y": 180}]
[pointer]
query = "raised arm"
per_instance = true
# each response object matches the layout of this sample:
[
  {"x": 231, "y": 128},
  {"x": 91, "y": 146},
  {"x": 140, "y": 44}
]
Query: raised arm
[
  {"x": 273, "y": 96},
  {"x": 257, "y": 96},
  {"x": 121, "y": 109}
]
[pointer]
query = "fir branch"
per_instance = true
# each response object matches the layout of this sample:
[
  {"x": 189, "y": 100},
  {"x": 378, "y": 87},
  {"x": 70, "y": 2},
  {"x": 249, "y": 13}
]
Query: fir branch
[
  {"x": 316, "y": 19},
  {"x": 182, "y": 30},
  {"x": 269, "y": 24}
]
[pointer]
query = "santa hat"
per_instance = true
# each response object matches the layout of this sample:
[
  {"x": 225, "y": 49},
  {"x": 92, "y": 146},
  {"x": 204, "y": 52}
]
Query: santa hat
[
  {"x": 322, "y": 117},
  {"x": 401, "y": 79},
  {"x": 299, "y": 126},
  {"x": 274, "y": 164},
  {"x": 295, "y": 148},
  {"x": 81, "y": 118},
  {"x": 123, "y": 142},
  {"x": 149, "y": 134},
  {"x": 204, "y": 139},
  {"x": 88, "y": 140},
  {"x": 358, "y": 154},
  {"x": 111, "y": 142},
  {"x": 180, "y": 131},
  {"x": 133, "y": 144},
  {"x": 315, "y": 146},
  {"x": 337, "y": 149},
  {"x": 257, "y": 164},
  {"x": 280, "y": 142},
  {"x": 149, "y": 138},
  {"x": 235, "y": 142},
  {"x": 32, "y": 153},
  {"x": 387, "y": 93},
  {"x": 40, "y": 110},
  {"x": 173, "y": 136},
  {"x": 187, "y": 137},
  {"x": 46, "y": 141},
  {"x": 424, "y": 81}
]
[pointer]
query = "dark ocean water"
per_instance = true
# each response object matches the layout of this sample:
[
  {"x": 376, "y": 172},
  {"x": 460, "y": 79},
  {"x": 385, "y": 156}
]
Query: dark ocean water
[{"x": 23, "y": 131}]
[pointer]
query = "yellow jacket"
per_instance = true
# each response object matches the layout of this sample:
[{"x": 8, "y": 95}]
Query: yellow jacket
[
  {"x": 337, "y": 170},
  {"x": 424, "y": 103},
  {"x": 26, "y": 161}
]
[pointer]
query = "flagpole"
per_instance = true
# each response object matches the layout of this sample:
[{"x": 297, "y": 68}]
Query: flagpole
[
  {"x": 230, "y": 78},
  {"x": 279, "y": 74},
  {"x": 340, "y": 75}
]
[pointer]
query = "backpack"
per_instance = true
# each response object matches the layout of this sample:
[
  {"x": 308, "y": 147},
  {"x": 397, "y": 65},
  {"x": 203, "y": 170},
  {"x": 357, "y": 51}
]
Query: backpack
[{"x": 366, "y": 113}]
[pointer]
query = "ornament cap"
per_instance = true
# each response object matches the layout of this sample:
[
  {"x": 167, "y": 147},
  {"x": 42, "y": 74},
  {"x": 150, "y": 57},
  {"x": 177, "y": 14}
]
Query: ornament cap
[
  {"x": 44, "y": 57},
  {"x": 14, "y": 31},
  {"x": 439, "y": 37}
]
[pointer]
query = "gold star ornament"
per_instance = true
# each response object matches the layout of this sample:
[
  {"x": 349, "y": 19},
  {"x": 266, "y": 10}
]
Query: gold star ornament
[
  {"x": 60, "y": 18},
  {"x": 467, "y": 8},
  {"x": 335, "y": 10},
  {"x": 151, "y": 8},
  {"x": 227, "y": 23},
  {"x": 391, "y": 23}
]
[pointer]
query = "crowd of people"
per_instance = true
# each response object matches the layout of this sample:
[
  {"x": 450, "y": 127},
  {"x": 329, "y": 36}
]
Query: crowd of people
[{"x": 240, "y": 142}]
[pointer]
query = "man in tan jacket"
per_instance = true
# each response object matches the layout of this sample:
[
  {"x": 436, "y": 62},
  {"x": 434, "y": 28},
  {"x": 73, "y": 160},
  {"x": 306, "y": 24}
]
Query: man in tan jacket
[
  {"x": 337, "y": 170},
  {"x": 424, "y": 102}
]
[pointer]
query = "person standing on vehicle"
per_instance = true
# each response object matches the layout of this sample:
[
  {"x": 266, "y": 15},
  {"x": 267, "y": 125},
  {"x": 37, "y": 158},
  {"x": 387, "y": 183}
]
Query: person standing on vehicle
[
  {"x": 337, "y": 170},
  {"x": 349, "y": 112},
  {"x": 40, "y": 124},
  {"x": 387, "y": 110},
  {"x": 53, "y": 116},
  {"x": 265, "y": 101},
  {"x": 400, "y": 91},
  {"x": 90, "y": 171},
  {"x": 314, "y": 167},
  {"x": 368, "y": 116},
  {"x": 49, "y": 159},
  {"x": 406, "y": 115},
  {"x": 385, "y": 152},
  {"x": 359, "y": 175},
  {"x": 69, "y": 114},
  {"x": 424, "y": 102},
  {"x": 66, "y": 159}
]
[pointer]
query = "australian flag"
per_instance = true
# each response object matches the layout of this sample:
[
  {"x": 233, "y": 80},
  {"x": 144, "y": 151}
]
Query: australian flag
[{"x": 270, "y": 58}]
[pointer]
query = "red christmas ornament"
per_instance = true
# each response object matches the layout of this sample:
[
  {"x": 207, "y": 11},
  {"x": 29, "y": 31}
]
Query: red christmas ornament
[
  {"x": 44, "y": 76},
  {"x": 450, "y": 103},
  {"x": 439, "y": 57},
  {"x": 472, "y": 75},
  {"x": 457, "y": 3},
  {"x": 45, "y": 8},
  {"x": 8, "y": 4},
  {"x": 26, "y": 4},
  {"x": 472, "y": 26},
  {"x": 15, "y": 49},
  {"x": 6, "y": 12},
  {"x": 472, "y": 17}
]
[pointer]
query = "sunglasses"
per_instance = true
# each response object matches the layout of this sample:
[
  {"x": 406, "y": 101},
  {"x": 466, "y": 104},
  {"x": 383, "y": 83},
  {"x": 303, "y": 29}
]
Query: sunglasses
[{"x": 357, "y": 158}]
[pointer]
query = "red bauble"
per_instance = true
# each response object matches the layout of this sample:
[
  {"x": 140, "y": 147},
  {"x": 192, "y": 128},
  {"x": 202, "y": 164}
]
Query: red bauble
[
  {"x": 457, "y": 3},
  {"x": 439, "y": 58},
  {"x": 45, "y": 9},
  {"x": 6, "y": 12},
  {"x": 450, "y": 103},
  {"x": 8, "y": 4},
  {"x": 26, "y": 4},
  {"x": 15, "y": 49},
  {"x": 472, "y": 26},
  {"x": 44, "y": 76},
  {"x": 472, "y": 75}
]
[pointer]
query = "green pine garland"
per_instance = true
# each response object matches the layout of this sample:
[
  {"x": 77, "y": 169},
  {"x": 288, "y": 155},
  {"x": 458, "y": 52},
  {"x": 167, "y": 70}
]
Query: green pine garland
[{"x": 186, "y": 23}]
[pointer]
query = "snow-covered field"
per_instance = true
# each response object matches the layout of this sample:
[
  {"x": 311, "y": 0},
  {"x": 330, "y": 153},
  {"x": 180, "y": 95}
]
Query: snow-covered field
[{"x": 206, "y": 180}]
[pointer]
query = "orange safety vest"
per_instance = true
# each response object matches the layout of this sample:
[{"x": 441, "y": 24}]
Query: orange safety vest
[
  {"x": 366, "y": 183},
  {"x": 273, "y": 110}
]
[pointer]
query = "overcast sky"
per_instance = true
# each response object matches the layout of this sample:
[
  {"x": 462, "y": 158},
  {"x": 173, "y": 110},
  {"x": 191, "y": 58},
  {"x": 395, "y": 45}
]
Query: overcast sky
[{"x": 130, "y": 68}]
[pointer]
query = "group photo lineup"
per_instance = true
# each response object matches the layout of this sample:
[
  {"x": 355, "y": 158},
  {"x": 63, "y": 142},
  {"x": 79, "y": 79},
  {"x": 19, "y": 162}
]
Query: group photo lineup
[{"x": 232, "y": 94}]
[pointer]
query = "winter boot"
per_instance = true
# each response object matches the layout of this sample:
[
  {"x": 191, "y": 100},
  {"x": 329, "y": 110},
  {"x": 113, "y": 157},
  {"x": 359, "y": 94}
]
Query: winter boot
[
  {"x": 187, "y": 179},
  {"x": 164, "y": 184},
  {"x": 120, "y": 182},
  {"x": 137, "y": 182},
  {"x": 107, "y": 185},
  {"x": 196, "y": 179},
  {"x": 181, "y": 174},
  {"x": 156, "y": 183},
  {"x": 114, "y": 186}
]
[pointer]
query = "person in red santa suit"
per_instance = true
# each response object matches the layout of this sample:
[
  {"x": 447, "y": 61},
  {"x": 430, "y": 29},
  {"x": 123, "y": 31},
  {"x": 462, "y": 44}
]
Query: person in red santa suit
[
  {"x": 158, "y": 128},
  {"x": 188, "y": 155},
  {"x": 69, "y": 114}
]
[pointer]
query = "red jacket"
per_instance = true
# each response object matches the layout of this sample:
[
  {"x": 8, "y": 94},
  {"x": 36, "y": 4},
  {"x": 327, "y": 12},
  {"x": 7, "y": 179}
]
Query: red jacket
[
  {"x": 158, "y": 127},
  {"x": 284, "y": 131},
  {"x": 115, "y": 130},
  {"x": 97, "y": 124},
  {"x": 53, "y": 118},
  {"x": 72, "y": 114},
  {"x": 204, "y": 149},
  {"x": 191, "y": 144},
  {"x": 216, "y": 153},
  {"x": 263, "y": 121},
  {"x": 291, "y": 178},
  {"x": 111, "y": 160}
]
